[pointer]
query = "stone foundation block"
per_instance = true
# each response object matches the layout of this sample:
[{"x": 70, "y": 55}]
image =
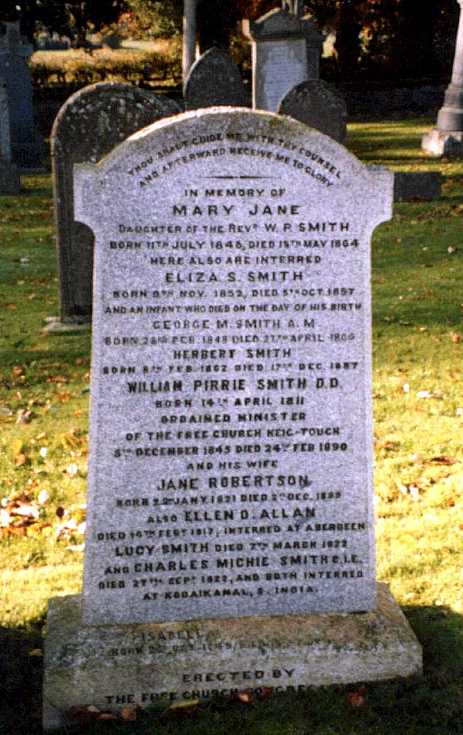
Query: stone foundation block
[
  {"x": 116, "y": 665},
  {"x": 441, "y": 143},
  {"x": 412, "y": 186}
]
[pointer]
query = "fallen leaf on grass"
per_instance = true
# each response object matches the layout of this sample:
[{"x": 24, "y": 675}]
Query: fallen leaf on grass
[
  {"x": 43, "y": 497},
  {"x": 424, "y": 394},
  {"x": 83, "y": 715},
  {"x": 24, "y": 416},
  {"x": 25, "y": 510},
  {"x": 36, "y": 652},
  {"x": 186, "y": 705},
  {"x": 455, "y": 337},
  {"x": 356, "y": 699},
  {"x": 246, "y": 696},
  {"x": 264, "y": 693},
  {"x": 57, "y": 379},
  {"x": 72, "y": 470},
  {"x": 20, "y": 460},
  {"x": 442, "y": 459},
  {"x": 130, "y": 713}
]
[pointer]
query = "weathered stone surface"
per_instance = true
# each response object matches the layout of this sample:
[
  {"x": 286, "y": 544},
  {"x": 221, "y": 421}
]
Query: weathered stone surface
[
  {"x": 417, "y": 185},
  {"x": 88, "y": 126},
  {"x": 214, "y": 79},
  {"x": 319, "y": 105},
  {"x": 231, "y": 338},
  {"x": 286, "y": 52},
  {"x": 27, "y": 148},
  {"x": 110, "y": 667}
]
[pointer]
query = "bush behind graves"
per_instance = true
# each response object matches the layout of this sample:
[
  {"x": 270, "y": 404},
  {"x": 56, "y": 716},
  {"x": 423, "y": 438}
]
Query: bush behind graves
[{"x": 81, "y": 67}]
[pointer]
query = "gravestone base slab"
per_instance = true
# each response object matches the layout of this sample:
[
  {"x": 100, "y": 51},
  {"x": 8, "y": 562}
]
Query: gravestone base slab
[
  {"x": 118, "y": 665},
  {"x": 412, "y": 186},
  {"x": 441, "y": 143},
  {"x": 9, "y": 178}
]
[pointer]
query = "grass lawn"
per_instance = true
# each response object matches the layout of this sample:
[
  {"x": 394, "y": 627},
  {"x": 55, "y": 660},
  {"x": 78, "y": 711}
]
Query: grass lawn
[{"x": 418, "y": 366}]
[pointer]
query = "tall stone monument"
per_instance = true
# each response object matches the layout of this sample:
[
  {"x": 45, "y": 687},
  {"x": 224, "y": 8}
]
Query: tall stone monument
[
  {"x": 88, "y": 126},
  {"x": 285, "y": 52},
  {"x": 27, "y": 148},
  {"x": 447, "y": 138},
  {"x": 231, "y": 432}
]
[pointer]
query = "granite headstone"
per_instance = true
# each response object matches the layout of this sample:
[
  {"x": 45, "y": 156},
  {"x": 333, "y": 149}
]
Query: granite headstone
[
  {"x": 88, "y": 126},
  {"x": 319, "y": 105},
  {"x": 214, "y": 79},
  {"x": 231, "y": 431},
  {"x": 286, "y": 51},
  {"x": 27, "y": 147}
]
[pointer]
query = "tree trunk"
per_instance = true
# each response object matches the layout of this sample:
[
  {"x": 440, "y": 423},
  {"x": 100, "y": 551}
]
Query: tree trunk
[{"x": 189, "y": 36}]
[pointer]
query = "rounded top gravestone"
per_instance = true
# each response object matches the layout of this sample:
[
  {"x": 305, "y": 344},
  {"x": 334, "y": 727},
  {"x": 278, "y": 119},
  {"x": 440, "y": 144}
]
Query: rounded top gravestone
[
  {"x": 214, "y": 79},
  {"x": 231, "y": 429},
  {"x": 319, "y": 105},
  {"x": 88, "y": 126}
]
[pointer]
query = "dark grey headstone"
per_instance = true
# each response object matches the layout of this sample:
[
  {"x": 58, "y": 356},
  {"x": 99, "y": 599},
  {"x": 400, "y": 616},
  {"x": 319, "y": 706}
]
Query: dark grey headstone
[
  {"x": 88, "y": 126},
  {"x": 27, "y": 148},
  {"x": 9, "y": 178},
  {"x": 417, "y": 185},
  {"x": 214, "y": 79},
  {"x": 9, "y": 175},
  {"x": 319, "y": 105}
]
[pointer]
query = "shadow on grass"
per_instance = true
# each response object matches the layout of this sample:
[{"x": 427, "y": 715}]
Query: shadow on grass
[
  {"x": 427, "y": 705},
  {"x": 20, "y": 681}
]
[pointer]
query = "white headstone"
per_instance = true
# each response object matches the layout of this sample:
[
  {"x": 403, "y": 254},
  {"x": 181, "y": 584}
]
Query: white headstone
[
  {"x": 285, "y": 52},
  {"x": 231, "y": 399}
]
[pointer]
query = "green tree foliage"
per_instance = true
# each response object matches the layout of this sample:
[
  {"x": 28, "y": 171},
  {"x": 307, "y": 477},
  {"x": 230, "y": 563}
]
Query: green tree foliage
[
  {"x": 70, "y": 17},
  {"x": 376, "y": 38}
]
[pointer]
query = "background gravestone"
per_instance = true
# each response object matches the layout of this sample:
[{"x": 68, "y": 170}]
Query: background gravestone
[
  {"x": 88, "y": 126},
  {"x": 27, "y": 148},
  {"x": 285, "y": 51},
  {"x": 232, "y": 341},
  {"x": 214, "y": 79},
  {"x": 319, "y": 105},
  {"x": 9, "y": 176}
]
